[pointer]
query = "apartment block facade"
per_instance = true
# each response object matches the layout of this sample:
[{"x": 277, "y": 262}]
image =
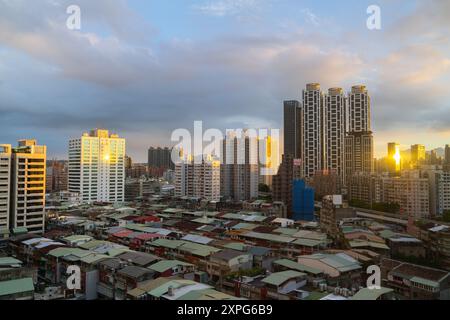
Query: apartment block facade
[{"x": 97, "y": 167}]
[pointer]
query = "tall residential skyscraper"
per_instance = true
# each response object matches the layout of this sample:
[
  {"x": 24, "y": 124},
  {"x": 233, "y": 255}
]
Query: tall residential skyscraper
[
  {"x": 292, "y": 128},
  {"x": 27, "y": 206},
  {"x": 394, "y": 157},
  {"x": 312, "y": 130},
  {"x": 5, "y": 186},
  {"x": 159, "y": 160},
  {"x": 269, "y": 158},
  {"x": 200, "y": 179},
  {"x": 418, "y": 154},
  {"x": 446, "y": 158},
  {"x": 334, "y": 131},
  {"x": 359, "y": 148},
  {"x": 97, "y": 167},
  {"x": 240, "y": 166}
]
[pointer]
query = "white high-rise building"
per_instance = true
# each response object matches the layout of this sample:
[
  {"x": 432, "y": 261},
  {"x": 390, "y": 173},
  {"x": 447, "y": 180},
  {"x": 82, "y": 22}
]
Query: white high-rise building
[
  {"x": 97, "y": 167},
  {"x": 5, "y": 186},
  {"x": 28, "y": 173},
  {"x": 312, "y": 130},
  {"x": 240, "y": 166},
  {"x": 359, "y": 114},
  {"x": 199, "y": 179},
  {"x": 334, "y": 131}
]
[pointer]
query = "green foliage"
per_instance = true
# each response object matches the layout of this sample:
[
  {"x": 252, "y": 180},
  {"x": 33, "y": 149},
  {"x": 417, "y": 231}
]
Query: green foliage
[
  {"x": 264, "y": 188},
  {"x": 359, "y": 204},
  {"x": 383, "y": 207},
  {"x": 386, "y": 207},
  {"x": 446, "y": 216}
]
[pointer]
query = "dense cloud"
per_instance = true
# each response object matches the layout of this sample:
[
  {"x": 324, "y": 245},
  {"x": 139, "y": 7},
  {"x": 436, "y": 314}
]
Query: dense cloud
[{"x": 114, "y": 73}]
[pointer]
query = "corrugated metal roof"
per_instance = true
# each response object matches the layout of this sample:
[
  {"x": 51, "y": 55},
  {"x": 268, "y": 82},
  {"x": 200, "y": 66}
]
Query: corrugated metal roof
[
  {"x": 165, "y": 265},
  {"x": 371, "y": 294},
  {"x": 197, "y": 239},
  {"x": 297, "y": 266},
  {"x": 16, "y": 286},
  {"x": 269, "y": 237},
  {"x": 10, "y": 262},
  {"x": 279, "y": 278}
]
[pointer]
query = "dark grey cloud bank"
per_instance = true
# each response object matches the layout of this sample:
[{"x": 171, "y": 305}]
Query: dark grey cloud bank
[{"x": 56, "y": 83}]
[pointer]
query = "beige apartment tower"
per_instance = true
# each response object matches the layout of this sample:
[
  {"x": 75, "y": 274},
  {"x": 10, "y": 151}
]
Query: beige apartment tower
[
  {"x": 27, "y": 187},
  {"x": 359, "y": 147},
  {"x": 5, "y": 186}
]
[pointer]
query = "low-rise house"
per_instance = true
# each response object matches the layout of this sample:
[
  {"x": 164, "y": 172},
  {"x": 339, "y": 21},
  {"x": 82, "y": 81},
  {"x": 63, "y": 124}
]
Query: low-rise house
[
  {"x": 12, "y": 268},
  {"x": 262, "y": 257},
  {"x": 284, "y": 283},
  {"x": 415, "y": 282},
  {"x": 169, "y": 268},
  {"x": 176, "y": 289},
  {"x": 227, "y": 261},
  {"x": 406, "y": 247},
  {"x": 139, "y": 259},
  {"x": 285, "y": 264},
  {"x": 339, "y": 269},
  {"x": 128, "y": 279}
]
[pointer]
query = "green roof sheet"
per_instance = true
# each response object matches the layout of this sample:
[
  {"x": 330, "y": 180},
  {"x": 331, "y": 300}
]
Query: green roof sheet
[
  {"x": 63, "y": 252},
  {"x": 193, "y": 248},
  {"x": 239, "y": 246},
  {"x": 371, "y": 244},
  {"x": 206, "y": 294},
  {"x": 10, "y": 261},
  {"x": 309, "y": 242},
  {"x": 371, "y": 294},
  {"x": 286, "y": 231},
  {"x": 278, "y": 278},
  {"x": 244, "y": 225},
  {"x": 204, "y": 220},
  {"x": 164, "y": 265},
  {"x": 92, "y": 258},
  {"x": 77, "y": 238},
  {"x": 16, "y": 286},
  {"x": 315, "y": 295},
  {"x": 20, "y": 230},
  {"x": 297, "y": 266},
  {"x": 162, "y": 290},
  {"x": 269, "y": 237}
]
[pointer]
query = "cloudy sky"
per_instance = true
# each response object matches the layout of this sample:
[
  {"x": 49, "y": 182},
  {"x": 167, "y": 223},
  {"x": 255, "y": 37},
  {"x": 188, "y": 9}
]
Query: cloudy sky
[{"x": 143, "y": 68}]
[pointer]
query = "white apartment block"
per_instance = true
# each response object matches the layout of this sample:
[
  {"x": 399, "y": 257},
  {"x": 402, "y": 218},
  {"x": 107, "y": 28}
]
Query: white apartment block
[
  {"x": 5, "y": 186},
  {"x": 199, "y": 179},
  {"x": 97, "y": 167},
  {"x": 359, "y": 114},
  {"x": 28, "y": 174},
  {"x": 312, "y": 130},
  {"x": 334, "y": 131}
]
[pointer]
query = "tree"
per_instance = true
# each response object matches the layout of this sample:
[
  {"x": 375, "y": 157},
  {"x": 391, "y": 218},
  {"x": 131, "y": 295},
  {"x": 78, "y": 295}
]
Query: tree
[
  {"x": 446, "y": 216},
  {"x": 264, "y": 188}
]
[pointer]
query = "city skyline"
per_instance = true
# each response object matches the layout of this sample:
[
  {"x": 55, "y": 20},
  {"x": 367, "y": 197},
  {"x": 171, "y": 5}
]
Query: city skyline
[{"x": 133, "y": 70}]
